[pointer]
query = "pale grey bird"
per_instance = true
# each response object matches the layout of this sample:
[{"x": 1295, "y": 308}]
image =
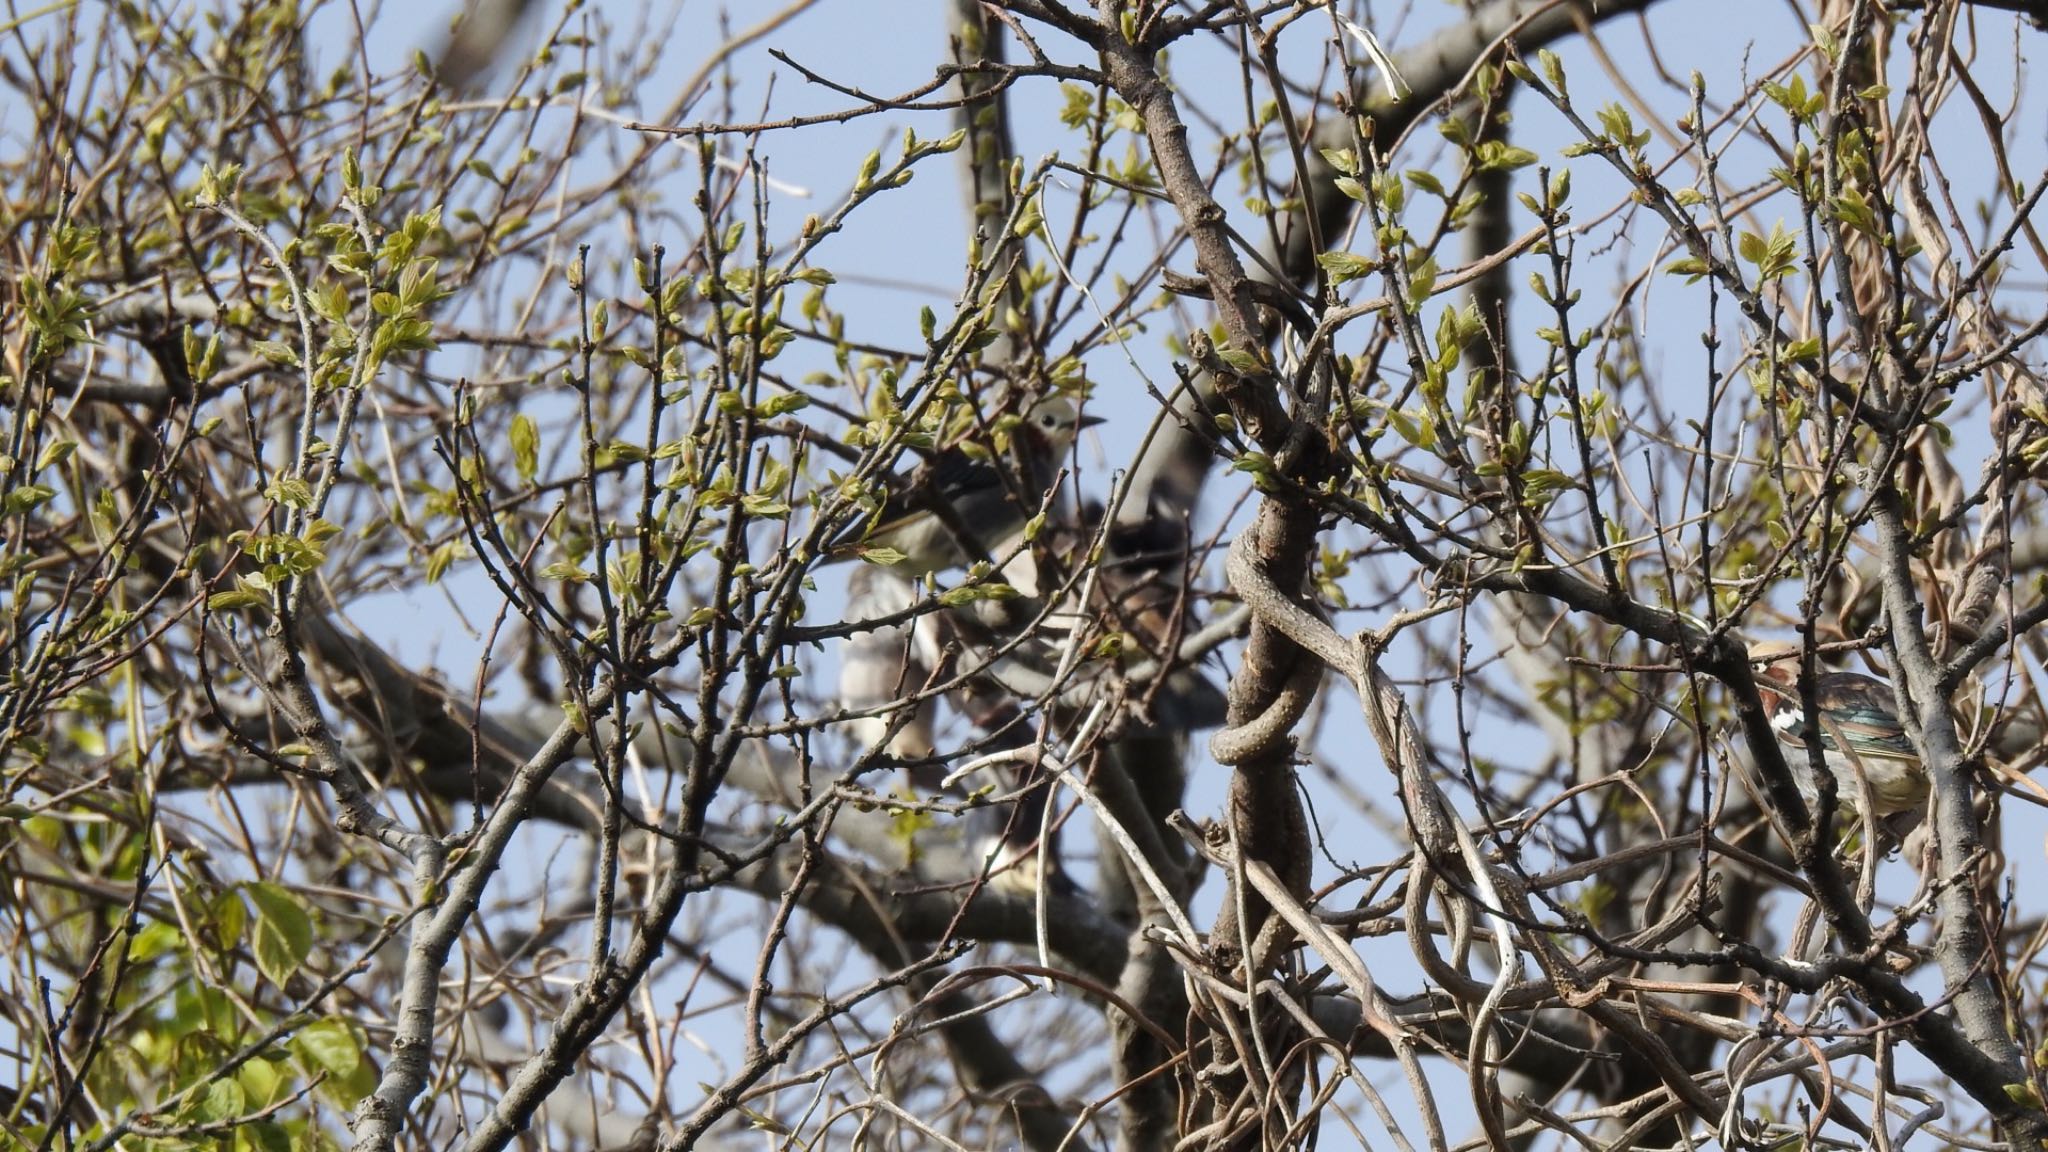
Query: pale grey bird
[
  {"x": 959, "y": 507},
  {"x": 884, "y": 664},
  {"x": 479, "y": 38}
]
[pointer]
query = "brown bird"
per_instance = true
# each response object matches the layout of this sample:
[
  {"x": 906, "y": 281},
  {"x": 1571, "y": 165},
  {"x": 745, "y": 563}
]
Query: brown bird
[{"x": 1860, "y": 734}]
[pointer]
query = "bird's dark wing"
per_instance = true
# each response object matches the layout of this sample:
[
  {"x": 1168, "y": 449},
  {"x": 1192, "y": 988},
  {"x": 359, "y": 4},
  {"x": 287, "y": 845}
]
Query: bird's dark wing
[
  {"x": 1863, "y": 710},
  {"x": 1866, "y": 712},
  {"x": 949, "y": 471}
]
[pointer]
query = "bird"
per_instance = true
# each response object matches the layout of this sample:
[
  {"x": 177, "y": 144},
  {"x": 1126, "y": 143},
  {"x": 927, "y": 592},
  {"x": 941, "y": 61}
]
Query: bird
[
  {"x": 884, "y": 670},
  {"x": 1854, "y": 710},
  {"x": 478, "y": 41},
  {"x": 958, "y": 506}
]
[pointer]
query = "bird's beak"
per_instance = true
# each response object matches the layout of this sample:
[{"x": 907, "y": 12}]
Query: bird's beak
[{"x": 1088, "y": 422}]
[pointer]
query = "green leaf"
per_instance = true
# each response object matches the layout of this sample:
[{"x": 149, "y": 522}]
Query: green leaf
[
  {"x": 564, "y": 570},
  {"x": 235, "y": 598},
  {"x": 158, "y": 939},
  {"x": 1802, "y": 351},
  {"x": 1852, "y": 209},
  {"x": 525, "y": 447},
  {"x": 1414, "y": 428},
  {"x": 1774, "y": 257},
  {"x": 782, "y": 404},
  {"x": 25, "y": 498},
  {"x": 328, "y": 1046},
  {"x": 277, "y": 352},
  {"x": 1620, "y": 127},
  {"x": 1422, "y": 279},
  {"x": 1689, "y": 266},
  {"x": 1343, "y": 160},
  {"x": 284, "y": 931},
  {"x": 440, "y": 558},
  {"x": 764, "y": 505},
  {"x": 228, "y": 919},
  {"x": 1496, "y": 155},
  {"x": 1342, "y": 267},
  {"x": 1240, "y": 361},
  {"x": 56, "y": 453},
  {"x": 1028, "y": 221},
  {"x": 266, "y": 1136},
  {"x": 223, "y": 1100},
  {"x": 970, "y": 593},
  {"x": 291, "y": 492}
]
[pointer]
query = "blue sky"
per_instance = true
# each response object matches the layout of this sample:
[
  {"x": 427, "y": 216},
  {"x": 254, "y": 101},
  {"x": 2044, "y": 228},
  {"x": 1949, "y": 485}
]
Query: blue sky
[
  {"x": 908, "y": 251},
  {"x": 909, "y": 246}
]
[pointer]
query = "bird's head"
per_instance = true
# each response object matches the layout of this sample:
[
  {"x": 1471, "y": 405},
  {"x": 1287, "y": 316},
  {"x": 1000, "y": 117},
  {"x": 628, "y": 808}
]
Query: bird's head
[
  {"x": 1053, "y": 422},
  {"x": 1774, "y": 662}
]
